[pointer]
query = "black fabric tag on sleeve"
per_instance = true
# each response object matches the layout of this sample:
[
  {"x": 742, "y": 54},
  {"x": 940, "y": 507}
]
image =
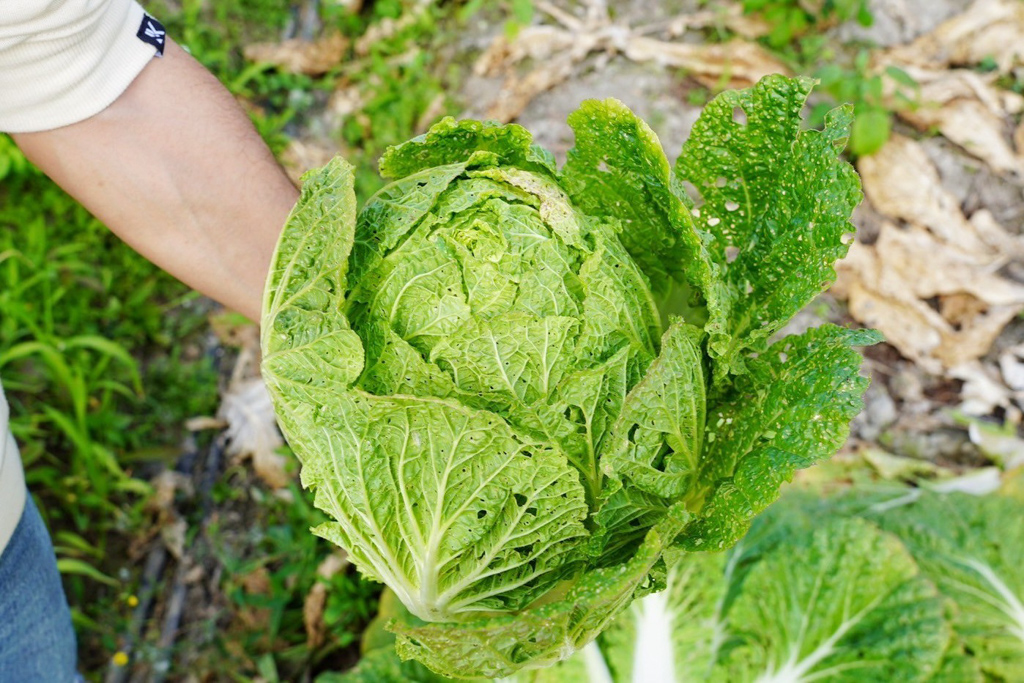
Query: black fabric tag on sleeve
[{"x": 152, "y": 32}]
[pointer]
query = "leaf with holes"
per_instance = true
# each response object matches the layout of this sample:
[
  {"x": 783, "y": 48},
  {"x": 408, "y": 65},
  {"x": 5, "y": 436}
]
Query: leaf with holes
[{"x": 778, "y": 201}]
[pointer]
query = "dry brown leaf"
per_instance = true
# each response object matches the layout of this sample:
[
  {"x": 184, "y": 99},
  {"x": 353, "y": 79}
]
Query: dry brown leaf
[
  {"x": 173, "y": 537},
  {"x": 742, "y": 24},
  {"x": 234, "y": 329},
  {"x": 1011, "y": 365},
  {"x": 731, "y": 17},
  {"x": 204, "y": 422},
  {"x": 888, "y": 285},
  {"x": 596, "y": 12},
  {"x": 972, "y": 114},
  {"x": 988, "y": 29},
  {"x": 517, "y": 92},
  {"x": 165, "y": 486},
  {"x": 298, "y": 56},
  {"x": 345, "y": 101},
  {"x": 983, "y": 391},
  {"x": 932, "y": 287},
  {"x": 738, "y": 63},
  {"x": 194, "y": 575},
  {"x": 906, "y": 323},
  {"x": 557, "y": 50},
  {"x": 961, "y": 309},
  {"x": 316, "y": 600},
  {"x": 965, "y": 106},
  {"x": 252, "y": 430},
  {"x": 915, "y": 261},
  {"x": 431, "y": 113},
  {"x": 1002, "y": 242},
  {"x": 939, "y": 85},
  {"x": 534, "y": 42},
  {"x": 902, "y": 182},
  {"x": 975, "y": 128},
  {"x": 256, "y": 582}
]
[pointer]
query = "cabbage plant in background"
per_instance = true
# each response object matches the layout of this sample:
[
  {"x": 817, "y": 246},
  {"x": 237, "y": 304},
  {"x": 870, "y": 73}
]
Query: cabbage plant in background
[
  {"x": 893, "y": 584},
  {"x": 515, "y": 387},
  {"x": 896, "y": 585}
]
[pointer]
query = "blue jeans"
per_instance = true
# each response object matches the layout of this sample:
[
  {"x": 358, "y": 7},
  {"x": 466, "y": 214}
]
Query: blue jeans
[{"x": 37, "y": 642}]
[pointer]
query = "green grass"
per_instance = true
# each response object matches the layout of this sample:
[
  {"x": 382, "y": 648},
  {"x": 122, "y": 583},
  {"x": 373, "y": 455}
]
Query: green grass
[
  {"x": 88, "y": 330},
  {"x": 284, "y": 558}
]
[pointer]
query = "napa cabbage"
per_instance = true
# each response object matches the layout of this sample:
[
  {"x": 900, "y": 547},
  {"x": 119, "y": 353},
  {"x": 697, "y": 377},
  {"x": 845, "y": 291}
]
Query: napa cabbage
[{"x": 513, "y": 387}]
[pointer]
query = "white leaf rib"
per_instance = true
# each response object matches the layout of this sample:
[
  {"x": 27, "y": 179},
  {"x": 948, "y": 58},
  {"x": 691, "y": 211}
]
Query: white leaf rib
[
  {"x": 1011, "y": 605},
  {"x": 483, "y": 563},
  {"x": 480, "y": 575},
  {"x": 465, "y": 506},
  {"x": 428, "y": 570},
  {"x": 388, "y": 560},
  {"x": 829, "y": 672},
  {"x": 979, "y": 593},
  {"x": 464, "y": 604},
  {"x": 652, "y": 644},
  {"x": 795, "y": 670},
  {"x": 414, "y": 520},
  {"x": 595, "y": 664},
  {"x": 401, "y": 292}
]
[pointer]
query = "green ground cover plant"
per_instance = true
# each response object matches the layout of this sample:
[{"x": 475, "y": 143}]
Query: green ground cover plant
[
  {"x": 92, "y": 338},
  {"x": 515, "y": 388},
  {"x": 793, "y": 19}
]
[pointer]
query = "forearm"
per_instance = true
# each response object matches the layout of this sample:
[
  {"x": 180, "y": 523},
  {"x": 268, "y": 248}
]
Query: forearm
[{"x": 176, "y": 169}]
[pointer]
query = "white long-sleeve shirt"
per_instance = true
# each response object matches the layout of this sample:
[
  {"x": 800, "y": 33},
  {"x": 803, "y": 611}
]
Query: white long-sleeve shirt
[{"x": 61, "y": 61}]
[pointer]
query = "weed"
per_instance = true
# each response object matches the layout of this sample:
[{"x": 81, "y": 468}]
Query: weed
[
  {"x": 875, "y": 96},
  {"x": 12, "y": 162},
  {"x": 403, "y": 82},
  {"x": 793, "y": 19},
  {"x": 270, "y": 571},
  {"x": 103, "y": 356},
  {"x": 83, "y": 321}
]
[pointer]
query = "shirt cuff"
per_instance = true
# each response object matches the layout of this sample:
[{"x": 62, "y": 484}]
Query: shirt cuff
[{"x": 66, "y": 73}]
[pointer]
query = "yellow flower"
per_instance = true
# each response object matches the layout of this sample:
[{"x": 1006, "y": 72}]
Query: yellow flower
[
  {"x": 133, "y": 601},
  {"x": 121, "y": 658}
]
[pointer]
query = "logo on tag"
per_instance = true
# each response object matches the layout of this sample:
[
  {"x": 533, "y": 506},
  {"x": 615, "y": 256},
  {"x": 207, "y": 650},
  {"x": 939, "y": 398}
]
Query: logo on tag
[{"x": 152, "y": 32}]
